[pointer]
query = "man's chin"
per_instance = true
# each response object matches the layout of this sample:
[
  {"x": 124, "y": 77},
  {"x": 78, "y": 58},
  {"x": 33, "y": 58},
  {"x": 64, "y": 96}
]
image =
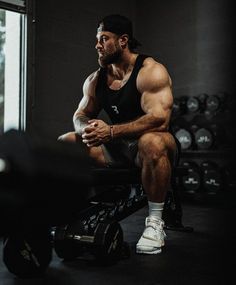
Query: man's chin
[{"x": 101, "y": 63}]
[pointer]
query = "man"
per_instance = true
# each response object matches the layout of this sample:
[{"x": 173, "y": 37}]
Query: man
[{"x": 135, "y": 91}]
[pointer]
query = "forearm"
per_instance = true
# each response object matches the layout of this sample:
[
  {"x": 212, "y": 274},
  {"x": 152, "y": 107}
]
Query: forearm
[
  {"x": 80, "y": 122},
  {"x": 136, "y": 128}
]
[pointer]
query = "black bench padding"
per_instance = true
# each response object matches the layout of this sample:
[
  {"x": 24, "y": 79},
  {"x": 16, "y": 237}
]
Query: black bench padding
[{"x": 116, "y": 176}]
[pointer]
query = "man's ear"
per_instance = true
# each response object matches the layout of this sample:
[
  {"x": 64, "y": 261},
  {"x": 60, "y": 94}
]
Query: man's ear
[{"x": 124, "y": 40}]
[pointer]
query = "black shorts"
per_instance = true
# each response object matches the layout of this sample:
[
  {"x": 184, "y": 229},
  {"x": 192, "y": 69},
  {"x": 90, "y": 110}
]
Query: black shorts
[{"x": 121, "y": 153}]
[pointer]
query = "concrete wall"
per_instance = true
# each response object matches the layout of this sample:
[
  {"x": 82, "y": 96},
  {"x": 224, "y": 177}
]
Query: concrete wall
[{"x": 193, "y": 39}]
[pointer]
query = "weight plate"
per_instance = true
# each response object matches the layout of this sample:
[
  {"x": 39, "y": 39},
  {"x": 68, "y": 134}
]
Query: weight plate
[
  {"x": 108, "y": 241},
  {"x": 212, "y": 103},
  {"x": 212, "y": 180},
  {"x": 203, "y": 138},
  {"x": 64, "y": 245},
  {"x": 193, "y": 104},
  {"x": 184, "y": 137},
  {"x": 192, "y": 182},
  {"x": 27, "y": 254}
]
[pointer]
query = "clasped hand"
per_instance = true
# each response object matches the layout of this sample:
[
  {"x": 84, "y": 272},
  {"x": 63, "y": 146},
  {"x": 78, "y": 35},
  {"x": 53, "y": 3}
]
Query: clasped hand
[{"x": 96, "y": 133}]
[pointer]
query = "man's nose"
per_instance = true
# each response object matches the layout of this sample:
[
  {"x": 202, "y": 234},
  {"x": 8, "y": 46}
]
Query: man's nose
[{"x": 98, "y": 45}]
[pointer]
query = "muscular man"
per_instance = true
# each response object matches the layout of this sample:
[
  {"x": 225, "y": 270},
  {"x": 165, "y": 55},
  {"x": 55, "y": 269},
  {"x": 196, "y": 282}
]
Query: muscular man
[{"x": 135, "y": 91}]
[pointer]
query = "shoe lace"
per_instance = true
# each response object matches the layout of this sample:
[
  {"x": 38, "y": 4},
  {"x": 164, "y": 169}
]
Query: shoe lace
[{"x": 156, "y": 224}]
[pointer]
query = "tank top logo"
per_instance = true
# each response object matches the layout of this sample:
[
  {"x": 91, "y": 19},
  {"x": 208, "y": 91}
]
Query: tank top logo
[{"x": 115, "y": 109}]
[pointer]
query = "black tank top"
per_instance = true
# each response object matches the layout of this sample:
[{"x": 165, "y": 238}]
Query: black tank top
[{"x": 121, "y": 105}]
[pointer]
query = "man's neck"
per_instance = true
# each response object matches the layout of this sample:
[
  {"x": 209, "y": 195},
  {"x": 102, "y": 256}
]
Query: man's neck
[{"x": 124, "y": 66}]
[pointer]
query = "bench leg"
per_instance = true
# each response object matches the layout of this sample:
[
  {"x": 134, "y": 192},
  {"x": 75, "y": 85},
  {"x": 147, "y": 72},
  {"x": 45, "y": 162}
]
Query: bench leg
[{"x": 172, "y": 213}]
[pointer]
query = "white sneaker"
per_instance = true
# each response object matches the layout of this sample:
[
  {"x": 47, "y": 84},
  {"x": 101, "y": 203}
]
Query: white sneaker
[{"x": 152, "y": 238}]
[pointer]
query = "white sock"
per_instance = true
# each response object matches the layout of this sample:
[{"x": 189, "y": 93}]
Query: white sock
[{"x": 155, "y": 209}]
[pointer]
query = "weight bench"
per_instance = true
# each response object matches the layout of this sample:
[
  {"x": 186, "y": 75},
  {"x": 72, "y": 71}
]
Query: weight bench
[
  {"x": 27, "y": 164},
  {"x": 132, "y": 177}
]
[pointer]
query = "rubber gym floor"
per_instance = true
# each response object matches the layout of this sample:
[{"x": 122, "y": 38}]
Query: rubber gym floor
[{"x": 205, "y": 256}]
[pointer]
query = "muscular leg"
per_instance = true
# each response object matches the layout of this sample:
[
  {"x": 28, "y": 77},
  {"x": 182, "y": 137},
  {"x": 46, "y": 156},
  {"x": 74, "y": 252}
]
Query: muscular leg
[
  {"x": 95, "y": 153},
  {"x": 155, "y": 156}
]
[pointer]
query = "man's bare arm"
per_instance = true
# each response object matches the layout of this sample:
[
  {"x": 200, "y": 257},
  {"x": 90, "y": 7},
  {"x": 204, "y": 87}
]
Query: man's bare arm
[
  {"x": 155, "y": 86},
  {"x": 88, "y": 107}
]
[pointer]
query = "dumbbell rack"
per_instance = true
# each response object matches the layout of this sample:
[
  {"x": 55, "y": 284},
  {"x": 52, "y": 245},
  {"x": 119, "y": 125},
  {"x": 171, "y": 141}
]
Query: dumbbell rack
[
  {"x": 114, "y": 203},
  {"x": 191, "y": 114},
  {"x": 112, "y": 206},
  {"x": 132, "y": 198}
]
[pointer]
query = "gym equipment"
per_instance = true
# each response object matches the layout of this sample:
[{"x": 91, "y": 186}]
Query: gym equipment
[
  {"x": 179, "y": 106},
  {"x": 105, "y": 242},
  {"x": 121, "y": 201},
  {"x": 211, "y": 177},
  {"x": 113, "y": 205},
  {"x": 216, "y": 102},
  {"x": 28, "y": 253},
  {"x": 83, "y": 223},
  {"x": 212, "y": 103},
  {"x": 133, "y": 198},
  {"x": 192, "y": 181},
  {"x": 172, "y": 213},
  {"x": 176, "y": 107},
  {"x": 31, "y": 162},
  {"x": 184, "y": 137},
  {"x": 196, "y": 104},
  {"x": 193, "y": 104},
  {"x": 74, "y": 184},
  {"x": 203, "y": 139}
]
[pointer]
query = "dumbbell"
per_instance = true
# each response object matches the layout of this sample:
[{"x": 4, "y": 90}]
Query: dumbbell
[
  {"x": 184, "y": 137},
  {"x": 203, "y": 137},
  {"x": 215, "y": 102},
  {"x": 193, "y": 104},
  {"x": 28, "y": 254},
  {"x": 212, "y": 103},
  {"x": 191, "y": 182},
  {"x": 196, "y": 103},
  {"x": 105, "y": 243},
  {"x": 211, "y": 177},
  {"x": 179, "y": 106}
]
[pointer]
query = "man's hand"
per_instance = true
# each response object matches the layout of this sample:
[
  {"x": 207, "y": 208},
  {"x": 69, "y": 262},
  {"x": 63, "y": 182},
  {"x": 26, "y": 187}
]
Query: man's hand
[{"x": 96, "y": 133}]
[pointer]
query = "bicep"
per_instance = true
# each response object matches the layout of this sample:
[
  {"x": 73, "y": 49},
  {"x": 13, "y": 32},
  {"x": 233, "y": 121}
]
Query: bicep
[{"x": 158, "y": 102}]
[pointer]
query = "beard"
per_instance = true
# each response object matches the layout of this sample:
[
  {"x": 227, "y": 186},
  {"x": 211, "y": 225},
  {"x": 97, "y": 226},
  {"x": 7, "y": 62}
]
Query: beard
[{"x": 109, "y": 58}]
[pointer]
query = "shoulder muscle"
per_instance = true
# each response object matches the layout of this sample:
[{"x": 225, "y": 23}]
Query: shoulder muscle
[
  {"x": 152, "y": 77},
  {"x": 90, "y": 83}
]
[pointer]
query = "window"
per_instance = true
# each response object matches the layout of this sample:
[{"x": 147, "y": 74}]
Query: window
[
  {"x": 2, "y": 67},
  {"x": 12, "y": 65}
]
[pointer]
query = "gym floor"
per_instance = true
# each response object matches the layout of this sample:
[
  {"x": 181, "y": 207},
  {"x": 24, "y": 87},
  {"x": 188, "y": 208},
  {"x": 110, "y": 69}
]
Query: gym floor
[{"x": 201, "y": 257}]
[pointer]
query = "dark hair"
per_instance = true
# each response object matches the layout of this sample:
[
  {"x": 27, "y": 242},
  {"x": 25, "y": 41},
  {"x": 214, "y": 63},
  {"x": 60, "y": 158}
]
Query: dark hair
[{"x": 119, "y": 25}]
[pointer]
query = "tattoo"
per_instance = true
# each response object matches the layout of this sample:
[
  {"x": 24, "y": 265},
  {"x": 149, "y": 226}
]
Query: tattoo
[{"x": 80, "y": 123}]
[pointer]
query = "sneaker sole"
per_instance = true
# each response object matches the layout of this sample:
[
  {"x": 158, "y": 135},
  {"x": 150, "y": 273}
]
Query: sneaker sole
[{"x": 140, "y": 251}]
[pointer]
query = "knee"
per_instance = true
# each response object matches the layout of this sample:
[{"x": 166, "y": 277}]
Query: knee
[
  {"x": 152, "y": 146},
  {"x": 68, "y": 137}
]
